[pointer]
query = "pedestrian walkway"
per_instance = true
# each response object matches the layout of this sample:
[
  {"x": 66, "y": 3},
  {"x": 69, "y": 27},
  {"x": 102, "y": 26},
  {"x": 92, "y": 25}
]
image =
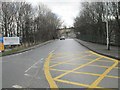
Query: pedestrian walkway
[{"x": 114, "y": 52}]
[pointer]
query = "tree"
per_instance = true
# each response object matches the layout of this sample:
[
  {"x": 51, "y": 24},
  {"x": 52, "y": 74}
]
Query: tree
[
  {"x": 91, "y": 22},
  {"x": 31, "y": 24}
]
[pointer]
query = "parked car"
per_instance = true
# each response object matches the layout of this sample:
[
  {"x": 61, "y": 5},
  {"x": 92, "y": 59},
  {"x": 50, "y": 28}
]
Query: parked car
[{"x": 62, "y": 38}]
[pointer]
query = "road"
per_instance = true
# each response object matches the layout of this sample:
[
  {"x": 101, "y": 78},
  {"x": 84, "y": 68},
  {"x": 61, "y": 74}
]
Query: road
[{"x": 60, "y": 64}]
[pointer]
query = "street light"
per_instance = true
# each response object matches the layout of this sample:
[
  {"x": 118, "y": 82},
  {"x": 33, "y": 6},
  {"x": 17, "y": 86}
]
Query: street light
[{"x": 107, "y": 26}]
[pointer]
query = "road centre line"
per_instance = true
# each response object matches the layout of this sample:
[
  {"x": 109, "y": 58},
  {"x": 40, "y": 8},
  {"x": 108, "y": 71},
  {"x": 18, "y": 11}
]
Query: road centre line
[
  {"x": 81, "y": 66},
  {"x": 33, "y": 65},
  {"x": 94, "y": 84},
  {"x": 69, "y": 60},
  {"x": 88, "y": 73}
]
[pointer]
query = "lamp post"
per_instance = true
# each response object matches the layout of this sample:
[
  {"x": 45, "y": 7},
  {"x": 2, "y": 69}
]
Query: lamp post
[{"x": 107, "y": 29}]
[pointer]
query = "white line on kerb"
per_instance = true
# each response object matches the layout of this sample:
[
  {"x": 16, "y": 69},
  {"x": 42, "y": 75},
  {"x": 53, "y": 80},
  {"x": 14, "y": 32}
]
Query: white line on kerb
[
  {"x": 33, "y": 65},
  {"x": 16, "y": 86}
]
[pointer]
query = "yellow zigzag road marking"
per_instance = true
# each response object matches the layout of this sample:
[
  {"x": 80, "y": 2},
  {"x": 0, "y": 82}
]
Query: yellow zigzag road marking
[
  {"x": 69, "y": 63},
  {"x": 69, "y": 60},
  {"x": 70, "y": 53},
  {"x": 104, "y": 56},
  {"x": 73, "y": 83},
  {"x": 94, "y": 84},
  {"x": 88, "y": 73},
  {"x": 70, "y": 56},
  {"x": 81, "y": 66}
]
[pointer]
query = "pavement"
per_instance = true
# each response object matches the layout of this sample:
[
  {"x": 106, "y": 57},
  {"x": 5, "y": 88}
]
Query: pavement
[
  {"x": 60, "y": 64},
  {"x": 114, "y": 51}
]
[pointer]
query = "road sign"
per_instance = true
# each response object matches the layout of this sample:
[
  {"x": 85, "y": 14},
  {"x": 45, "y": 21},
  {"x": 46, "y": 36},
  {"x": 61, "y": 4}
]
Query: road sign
[
  {"x": 1, "y": 47},
  {"x": 1, "y": 43},
  {"x": 1, "y": 39},
  {"x": 11, "y": 40}
]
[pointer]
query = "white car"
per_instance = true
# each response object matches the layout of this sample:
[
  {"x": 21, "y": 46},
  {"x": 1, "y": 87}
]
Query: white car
[{"x": 62, "y": 38}]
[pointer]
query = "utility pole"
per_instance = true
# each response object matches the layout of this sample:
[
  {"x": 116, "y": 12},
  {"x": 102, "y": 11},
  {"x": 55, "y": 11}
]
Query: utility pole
[{"x": 107, "y": 29}]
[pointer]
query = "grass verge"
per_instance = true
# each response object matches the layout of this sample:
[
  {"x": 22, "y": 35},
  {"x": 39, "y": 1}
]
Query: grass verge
[{"x": 20, "y": 49}]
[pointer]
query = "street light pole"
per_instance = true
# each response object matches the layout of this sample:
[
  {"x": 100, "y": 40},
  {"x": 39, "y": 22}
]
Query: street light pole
[{"x": 107, "y": 27}]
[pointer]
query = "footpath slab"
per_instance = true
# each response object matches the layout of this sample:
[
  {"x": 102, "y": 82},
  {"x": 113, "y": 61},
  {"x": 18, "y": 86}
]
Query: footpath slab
[{"x": 114, "y": 52}]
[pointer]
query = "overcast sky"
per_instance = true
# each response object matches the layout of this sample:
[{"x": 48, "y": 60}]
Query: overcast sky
[{"x": 67, "y": 10}]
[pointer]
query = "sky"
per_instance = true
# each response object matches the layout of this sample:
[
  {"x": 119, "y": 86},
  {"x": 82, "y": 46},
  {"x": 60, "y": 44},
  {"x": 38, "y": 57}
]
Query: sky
[{"x": 67, "y": 10}]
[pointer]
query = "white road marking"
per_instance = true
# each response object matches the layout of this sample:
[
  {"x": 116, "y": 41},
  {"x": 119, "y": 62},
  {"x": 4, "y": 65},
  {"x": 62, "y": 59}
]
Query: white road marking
[
  {"x": 16, "y": 86},
  {"x": 52, "y": 51},
  {"x": 41, "y": 59},
  {"x": 33, "y": 65},
  {"x": 28, "y": 75}
]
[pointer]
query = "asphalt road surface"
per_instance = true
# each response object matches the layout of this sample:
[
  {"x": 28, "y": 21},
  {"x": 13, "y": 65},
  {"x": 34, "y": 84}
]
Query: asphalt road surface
[{"x": 60, "y": 64}]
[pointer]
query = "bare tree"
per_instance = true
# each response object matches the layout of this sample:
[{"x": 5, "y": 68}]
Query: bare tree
[
  {"x": 31, "y": 24},
  {"x": 91, "y": 22}
]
